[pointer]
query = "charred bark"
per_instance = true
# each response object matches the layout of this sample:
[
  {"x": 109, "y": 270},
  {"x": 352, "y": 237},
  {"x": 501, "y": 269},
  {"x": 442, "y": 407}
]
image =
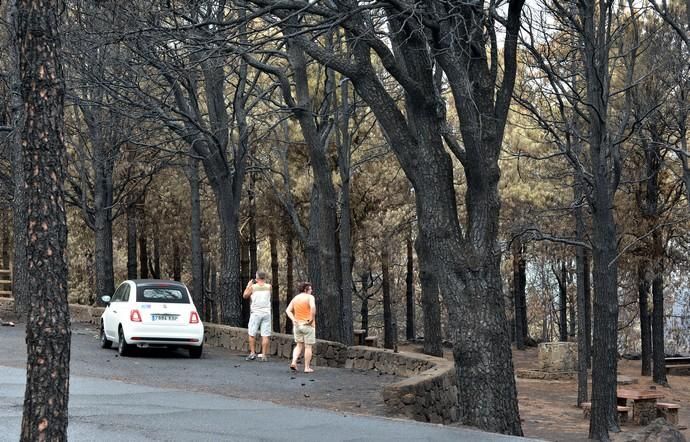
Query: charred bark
[
  {"x": 197, "y": 260},
  {"x": 275, "y": 285},
  {"x": 48, "y": 333},
  {"x": 289, "y": 278},
  {"x": 409, "y": 293},
  {"x": 519, "y": 296},
  {"x": 645, "y": 319},
  {"x": 388, "y": 331}
]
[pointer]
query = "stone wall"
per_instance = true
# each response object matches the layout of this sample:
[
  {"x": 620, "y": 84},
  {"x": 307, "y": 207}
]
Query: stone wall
[
  {"x": 325, "y": 353},
  {"x": 428, "y": 394},
  {"x": 558, "y": 356}
]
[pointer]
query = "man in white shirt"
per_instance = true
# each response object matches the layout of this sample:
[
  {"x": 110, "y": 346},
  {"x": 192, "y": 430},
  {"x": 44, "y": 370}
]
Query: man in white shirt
[{"x": 259, "y": 291}]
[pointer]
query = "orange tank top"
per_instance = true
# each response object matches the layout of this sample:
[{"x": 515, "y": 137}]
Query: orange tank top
[{"x": 302, "y": 308}]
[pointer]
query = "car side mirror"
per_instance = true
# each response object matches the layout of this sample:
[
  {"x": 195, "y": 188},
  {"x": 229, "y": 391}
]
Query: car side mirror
[{"x": 106, "y": 300}]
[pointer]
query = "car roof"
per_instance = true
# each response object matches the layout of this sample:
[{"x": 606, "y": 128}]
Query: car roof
[{"x": 156, "y": 283}]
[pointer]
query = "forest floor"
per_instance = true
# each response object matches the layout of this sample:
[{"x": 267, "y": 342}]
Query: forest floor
[{"x": 548, "y": 410}]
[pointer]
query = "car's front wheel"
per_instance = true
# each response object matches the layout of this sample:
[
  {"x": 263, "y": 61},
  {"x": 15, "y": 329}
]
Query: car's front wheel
[
  {"x": 105, "y": 342},
  {"x": 195, "y": 352},
  {"x": 123, "y": 348}
]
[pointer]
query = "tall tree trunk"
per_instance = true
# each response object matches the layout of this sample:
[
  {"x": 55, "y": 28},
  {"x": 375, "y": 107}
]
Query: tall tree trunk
[
  {"x": 246, "y": 275},
  {"x": 588, "y": 307},
  {"x": 197, "y": 260},
  {"x": 48, "y": 333},
  {"x": 572, "y": 316},
  {"x": 131, "y": 241},
  {"x": 343, "y": 114},
  {"x": 519, "y": 296},
  {"x": 289, "y": 278},
  {"x": 143, "y": 249},
  {"x": 156, "y": 265},
  {"x": 327, "y": 288},
  {"x": 105, "y": 283},
  {"x": 388, "y": 332},
  {"x": 605, "y": 348},
  {"x": 645, "y": 319},
  {"x": 177, "y": 263},
  {"x": 229, "y": 286},
  {"x": 215, "y": 296},
  {"x": 20, "y": 270},
  {"x": 253, "y": 248},
  {"x": 409, "y": 291},
  {"x": 275, "y": 285},
  {"x": 563, "y": 304},
  {"x": 364, "y": 307},
  {"x": 658, "y": 348},
  {"x": 583, "y": 301},
  {"x": 431, "y": 304}
]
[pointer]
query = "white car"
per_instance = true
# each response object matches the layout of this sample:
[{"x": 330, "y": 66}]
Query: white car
[{"x": 151, "y": 313}]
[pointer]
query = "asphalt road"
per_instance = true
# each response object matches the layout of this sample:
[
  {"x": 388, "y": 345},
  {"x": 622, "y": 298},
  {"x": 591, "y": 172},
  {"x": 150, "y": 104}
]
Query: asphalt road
[{"x": 165, "y": 396}]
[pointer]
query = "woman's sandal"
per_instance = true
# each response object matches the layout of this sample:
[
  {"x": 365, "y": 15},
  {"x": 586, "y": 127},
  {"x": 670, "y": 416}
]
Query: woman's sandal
[
  {"x": 309, "y": 370},
  {"x": 293, "y": 367}
]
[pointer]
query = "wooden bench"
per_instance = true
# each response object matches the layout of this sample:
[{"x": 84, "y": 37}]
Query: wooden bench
[
  {"x": 371, "y": 341},
  {"x": 668, "y": 411},
  {"x": 622, "y": 411}
]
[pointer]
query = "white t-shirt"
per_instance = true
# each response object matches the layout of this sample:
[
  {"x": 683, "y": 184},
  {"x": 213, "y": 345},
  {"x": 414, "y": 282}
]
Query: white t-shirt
[{"x": 261, "y": 299}]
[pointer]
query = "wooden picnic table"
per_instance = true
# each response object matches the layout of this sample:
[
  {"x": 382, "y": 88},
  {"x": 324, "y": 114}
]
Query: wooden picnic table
[{"x": 643, "y": 402}]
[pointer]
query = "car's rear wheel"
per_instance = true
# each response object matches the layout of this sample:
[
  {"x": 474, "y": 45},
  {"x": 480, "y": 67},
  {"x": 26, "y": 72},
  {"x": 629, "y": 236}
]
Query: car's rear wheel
[
  {"x": 105, "y": 342},
  {"x": 123, "y": 348},
  {"x": 195, "y": 352}
]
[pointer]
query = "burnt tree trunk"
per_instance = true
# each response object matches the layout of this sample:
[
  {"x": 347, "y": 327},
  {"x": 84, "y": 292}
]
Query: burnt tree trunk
[
  {"x": 48, "y": 333},
  {"x": 103, "y": 248},
  {"x": 364, "y": 307},
  {"x": 519, "y": 297},
  {"x": 583, "y": 301},
  {"x": 20, "y": 270},
  {"x": 143, "y": 243},
  {"x": 344, "y": 142},
  {"x": 563, "y": 304},
  {"x": 431, "y": 304},
  {"x": 388, "y": 331},
  {"x": 197, "y": 258},
  {"x": 275, "y": 286},
  {"x": 316, "y": 134},
  {"x": 131, "y": 216},
  {"x": 155, "y": 265},
  {"x": 177, "y": 263},
  {"x": 658, "y": 351},
  {"x": 245, "y": 275},
  {"x": 645, "y": 319},
  {"x": 289, "y": 276},
  {"x": 409, "y": 292},
  {"x": 253, "y": 249}
]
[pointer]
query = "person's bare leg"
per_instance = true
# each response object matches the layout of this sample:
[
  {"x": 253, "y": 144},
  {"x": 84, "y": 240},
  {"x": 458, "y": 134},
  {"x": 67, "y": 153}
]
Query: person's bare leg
[
  {"x": 265, "y": 341},
  {"x": 295, "y": 354},
  {"x": 252, "y": 344},
  {"x": 307, "y": 359}
]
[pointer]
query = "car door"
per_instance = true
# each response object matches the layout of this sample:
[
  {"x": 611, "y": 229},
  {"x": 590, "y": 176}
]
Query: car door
[{"x": 110, "y": 317}]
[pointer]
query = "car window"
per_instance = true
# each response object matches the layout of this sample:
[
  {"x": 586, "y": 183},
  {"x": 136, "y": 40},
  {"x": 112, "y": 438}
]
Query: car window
[
  {"x": 125, "y": 294},
  {"x": 171, "y": 295},
  {"x": 117, "y": 296}
]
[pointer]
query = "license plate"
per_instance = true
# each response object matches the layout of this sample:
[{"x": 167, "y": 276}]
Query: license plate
[{"x": 163, "y": 317}]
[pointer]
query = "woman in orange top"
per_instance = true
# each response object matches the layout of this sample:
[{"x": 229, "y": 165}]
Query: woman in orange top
[{"x": 302, "y": 313}]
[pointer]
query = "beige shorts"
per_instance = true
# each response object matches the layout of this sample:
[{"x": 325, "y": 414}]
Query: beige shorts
[{"x": 305, "y": 333}]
